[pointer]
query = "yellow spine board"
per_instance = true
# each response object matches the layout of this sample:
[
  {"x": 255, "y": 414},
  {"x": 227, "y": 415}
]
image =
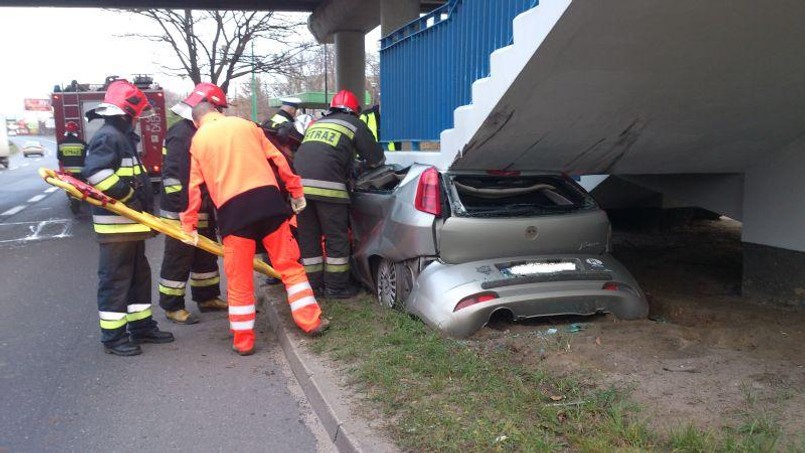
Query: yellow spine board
[{"x": 155, "y": 223}]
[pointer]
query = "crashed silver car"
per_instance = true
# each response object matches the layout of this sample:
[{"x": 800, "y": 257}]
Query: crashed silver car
[{"x": 459, "y": 248}]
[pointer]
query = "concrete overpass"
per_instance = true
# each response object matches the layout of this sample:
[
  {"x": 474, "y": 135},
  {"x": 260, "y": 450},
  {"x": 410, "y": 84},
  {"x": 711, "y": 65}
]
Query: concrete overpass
[{"x": 343, "y": 22}]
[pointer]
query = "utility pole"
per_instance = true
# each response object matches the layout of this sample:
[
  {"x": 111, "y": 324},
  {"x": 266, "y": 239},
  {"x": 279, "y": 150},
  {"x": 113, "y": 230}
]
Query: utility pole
[
  {"x": 326, "y": 74},
  {"x": 254, "y": 87}
]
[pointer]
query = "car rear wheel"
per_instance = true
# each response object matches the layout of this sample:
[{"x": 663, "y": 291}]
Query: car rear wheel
[{"x": 393, "y": 282}]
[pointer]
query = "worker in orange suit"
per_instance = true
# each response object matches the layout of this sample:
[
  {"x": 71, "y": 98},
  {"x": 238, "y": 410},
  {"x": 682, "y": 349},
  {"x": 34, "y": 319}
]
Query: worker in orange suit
[{"x": 234, "y": 159}]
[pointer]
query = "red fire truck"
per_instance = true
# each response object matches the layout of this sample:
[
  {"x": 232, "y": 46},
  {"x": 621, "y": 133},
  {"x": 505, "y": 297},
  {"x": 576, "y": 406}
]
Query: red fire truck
[{"x": 71, "y": 103}]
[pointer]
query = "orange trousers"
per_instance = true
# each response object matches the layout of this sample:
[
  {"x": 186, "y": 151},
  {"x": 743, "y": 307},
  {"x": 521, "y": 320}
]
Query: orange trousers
[{"x": 283, "y": 252}]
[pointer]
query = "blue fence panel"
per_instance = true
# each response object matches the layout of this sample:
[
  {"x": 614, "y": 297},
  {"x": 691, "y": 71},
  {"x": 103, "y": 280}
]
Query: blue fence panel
[{"x": 428, "y": 66}]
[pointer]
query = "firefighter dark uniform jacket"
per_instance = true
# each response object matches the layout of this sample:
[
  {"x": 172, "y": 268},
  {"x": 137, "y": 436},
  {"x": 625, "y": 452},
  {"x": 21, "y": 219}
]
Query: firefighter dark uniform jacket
[
  {"x": 114, "y": 168},
  {"x": 176, "y": 175},
  {"x": 325, "y": 158},
  {"x": 282, "y": 126},
  {"x": 72, "y": 154}
]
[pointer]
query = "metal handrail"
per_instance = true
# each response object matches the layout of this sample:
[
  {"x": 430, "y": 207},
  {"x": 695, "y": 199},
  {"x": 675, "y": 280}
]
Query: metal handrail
[{"x": 418, "y": 25}]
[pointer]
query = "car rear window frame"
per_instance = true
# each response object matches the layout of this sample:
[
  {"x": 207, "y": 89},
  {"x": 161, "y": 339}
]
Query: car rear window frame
[{"x": 583, "y": 202}]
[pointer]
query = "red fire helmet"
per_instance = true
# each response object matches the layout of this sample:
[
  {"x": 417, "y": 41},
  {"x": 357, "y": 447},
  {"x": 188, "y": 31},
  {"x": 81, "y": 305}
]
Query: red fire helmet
[
  {"x": 123, "y": 98},
  {"x": 345, "y": 100},
  {"x": 207, "y": 92}
]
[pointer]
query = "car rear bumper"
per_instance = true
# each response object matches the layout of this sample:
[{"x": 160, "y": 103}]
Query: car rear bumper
[{"x": 442, "y": 286}]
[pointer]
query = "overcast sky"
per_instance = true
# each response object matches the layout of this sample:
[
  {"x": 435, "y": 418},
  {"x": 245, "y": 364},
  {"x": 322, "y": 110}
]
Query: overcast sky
[{"x": 43, "y": 47}]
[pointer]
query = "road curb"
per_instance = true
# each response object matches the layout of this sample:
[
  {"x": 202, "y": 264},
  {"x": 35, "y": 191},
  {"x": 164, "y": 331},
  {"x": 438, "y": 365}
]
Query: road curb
[{"x": 349, "y": 433}]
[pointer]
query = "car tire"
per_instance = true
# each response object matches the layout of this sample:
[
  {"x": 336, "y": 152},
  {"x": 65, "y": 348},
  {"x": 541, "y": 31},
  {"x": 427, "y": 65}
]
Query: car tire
[{"x": 393, "y": 283}]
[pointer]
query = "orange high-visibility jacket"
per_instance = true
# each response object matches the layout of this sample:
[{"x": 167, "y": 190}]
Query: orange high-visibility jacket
[{"x": 230, "y": 155}]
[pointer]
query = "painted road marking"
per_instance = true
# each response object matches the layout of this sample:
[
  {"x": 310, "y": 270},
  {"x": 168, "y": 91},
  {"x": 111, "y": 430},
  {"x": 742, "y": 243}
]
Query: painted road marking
[
  {"x": 37, "y": 231},
  {"x": 37, "y": 198},
  {"x": 36, "y": 222},
  {"x": 24, "y": 165},
  {"x": 52, "y": 189},
  {"x": 14, "y": 210}
]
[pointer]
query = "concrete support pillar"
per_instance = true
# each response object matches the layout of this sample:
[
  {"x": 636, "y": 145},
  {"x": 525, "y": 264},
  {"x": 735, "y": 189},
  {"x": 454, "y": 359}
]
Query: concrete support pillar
[
  {"x": 350, "y": 62},
  {"x": 396, "y": 13},
  {"x": 773, "y": 233}
]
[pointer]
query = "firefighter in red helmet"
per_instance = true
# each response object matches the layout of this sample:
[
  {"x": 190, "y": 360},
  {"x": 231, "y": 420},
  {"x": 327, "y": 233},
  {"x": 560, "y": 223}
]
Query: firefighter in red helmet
[
  {"x": 71, "y": 154},
  {"x": 124, "y": 277},
  {"x": 181, "y": 261},
  {"x": 325, "y": 162}
]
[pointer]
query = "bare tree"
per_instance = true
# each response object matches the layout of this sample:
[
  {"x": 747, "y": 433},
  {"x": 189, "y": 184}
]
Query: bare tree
[
  {"x": 216, "y": 46},
  {"x": 373, "y": 76},
  {"x": 306, "y": 72}
]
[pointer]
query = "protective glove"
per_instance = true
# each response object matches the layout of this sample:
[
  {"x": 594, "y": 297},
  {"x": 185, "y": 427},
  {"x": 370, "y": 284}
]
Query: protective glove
[
  {"x": 193, "y": 238},
  {"x": 298, "y": 204}
]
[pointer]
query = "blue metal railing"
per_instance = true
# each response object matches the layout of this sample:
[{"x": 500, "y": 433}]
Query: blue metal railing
[{"x": 428, "y": 66}]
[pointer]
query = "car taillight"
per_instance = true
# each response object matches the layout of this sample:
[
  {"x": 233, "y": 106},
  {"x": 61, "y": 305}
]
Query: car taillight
[
  {"x": 428, "y": 196},
  {"x": 474, "y": 299},
  {"x": 611, "y": 286}
]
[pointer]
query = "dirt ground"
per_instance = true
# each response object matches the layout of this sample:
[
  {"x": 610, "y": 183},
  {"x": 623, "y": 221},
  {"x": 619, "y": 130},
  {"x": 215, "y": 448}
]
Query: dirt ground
[{"x": 706, "y": 356}]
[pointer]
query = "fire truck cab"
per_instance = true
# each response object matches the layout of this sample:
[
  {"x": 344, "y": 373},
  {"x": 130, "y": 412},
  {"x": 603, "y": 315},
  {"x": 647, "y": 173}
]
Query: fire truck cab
[{"x": 71, "y": 103}]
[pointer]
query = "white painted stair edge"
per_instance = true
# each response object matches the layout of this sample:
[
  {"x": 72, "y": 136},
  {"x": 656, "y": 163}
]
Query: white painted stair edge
[{"x": 530, "y": 30}]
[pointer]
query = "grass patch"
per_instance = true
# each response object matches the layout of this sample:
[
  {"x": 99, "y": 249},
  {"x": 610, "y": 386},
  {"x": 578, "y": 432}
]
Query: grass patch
[{"x": 450, "y": 396}]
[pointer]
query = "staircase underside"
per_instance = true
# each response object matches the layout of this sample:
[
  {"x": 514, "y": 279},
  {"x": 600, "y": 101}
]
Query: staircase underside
[{"x": 649, "y": 86}]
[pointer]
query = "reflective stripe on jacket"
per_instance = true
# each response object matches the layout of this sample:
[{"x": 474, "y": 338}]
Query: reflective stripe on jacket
[
  {"x": 71, "y": 154},
  {"x": 372, "y": 119}
]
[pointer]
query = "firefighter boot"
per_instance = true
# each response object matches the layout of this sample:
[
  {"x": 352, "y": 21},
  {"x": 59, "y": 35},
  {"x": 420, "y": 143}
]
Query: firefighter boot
[
  {"x": 324, "y": 324},
  {"x": 343, "y": 293},
  {"x": 213, "y": 305},
  {"x": 181, "y": 317},
  {"x": 152, "y": 336},
  {"x": 125, "y": 348},
  {"x": 243, "y": 342}
]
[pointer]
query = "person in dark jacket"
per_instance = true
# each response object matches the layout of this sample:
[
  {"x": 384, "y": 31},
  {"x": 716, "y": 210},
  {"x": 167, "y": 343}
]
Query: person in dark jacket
[
  {"x": 181, "y": 261},
  {"x": 71, "y": 154},
  {"x": 371, "y": 117},
  {"x": 124, "y": 276},
  {"x": 325, "y": 161},
  {"x": 280, "y": 127},
  {"x": 72, "y": 151}
]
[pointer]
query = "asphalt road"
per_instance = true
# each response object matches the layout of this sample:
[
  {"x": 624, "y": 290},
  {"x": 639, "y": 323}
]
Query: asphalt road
[{"x": 61, "y": 393}]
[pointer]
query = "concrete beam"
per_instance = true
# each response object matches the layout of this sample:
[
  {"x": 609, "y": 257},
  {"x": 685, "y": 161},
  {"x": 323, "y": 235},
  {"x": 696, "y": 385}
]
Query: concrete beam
[
  {"x": 774, "y": 215},
  {"x": 343, "y": 15},
  {"x": 639, "y": 87},
  {"x": 247, "y": 5},
  {"x": 721, "y": 193},
  {"x": 396, "y": 13}
]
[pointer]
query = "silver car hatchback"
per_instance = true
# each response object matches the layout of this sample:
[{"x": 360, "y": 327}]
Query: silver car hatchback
[{"x": 457, "y": 248}]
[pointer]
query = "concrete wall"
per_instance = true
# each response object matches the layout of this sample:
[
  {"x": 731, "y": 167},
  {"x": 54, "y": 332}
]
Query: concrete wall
[
  {"x": 774, "y": 199},
  {"x": 721, "y": 193},
  {"x": 774, "y": 220}
]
